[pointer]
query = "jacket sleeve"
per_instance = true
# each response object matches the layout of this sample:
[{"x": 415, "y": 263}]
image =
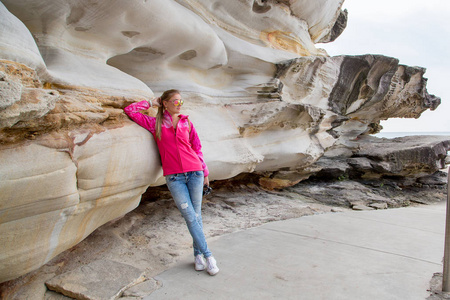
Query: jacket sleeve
[
  {"x": 197, "y": 147},
  {"x": 134, "y": 112}
]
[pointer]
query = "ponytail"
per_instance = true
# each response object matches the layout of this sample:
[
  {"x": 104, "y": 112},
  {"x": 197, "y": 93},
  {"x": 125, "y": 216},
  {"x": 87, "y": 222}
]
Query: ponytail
[
  {"x": 159, "y": 118},
  {"x": 160, "y": 115}
]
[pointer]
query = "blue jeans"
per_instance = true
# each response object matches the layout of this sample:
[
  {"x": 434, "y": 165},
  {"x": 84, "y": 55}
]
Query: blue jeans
[{"x": 187, "y": 191}]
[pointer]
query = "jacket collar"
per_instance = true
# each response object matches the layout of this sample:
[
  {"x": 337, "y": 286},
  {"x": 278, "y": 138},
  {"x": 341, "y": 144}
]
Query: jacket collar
[{"x": 168, "y": 116}]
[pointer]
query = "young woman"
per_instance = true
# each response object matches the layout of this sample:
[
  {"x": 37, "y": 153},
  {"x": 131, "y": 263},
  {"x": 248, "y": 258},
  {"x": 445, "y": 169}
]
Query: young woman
[{"x": 183, "y": 166}]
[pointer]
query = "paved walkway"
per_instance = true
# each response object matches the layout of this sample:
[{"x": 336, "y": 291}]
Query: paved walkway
[{"x": 383, "y": 254}]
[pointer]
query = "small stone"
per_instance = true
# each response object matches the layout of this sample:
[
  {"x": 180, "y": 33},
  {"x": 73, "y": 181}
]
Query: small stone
[
  {"x": 334, "y": 209},
  {"x": 361, "y": 207},
  {"x": 354, "y": 203},
  {"x": 379, "y": 205}
]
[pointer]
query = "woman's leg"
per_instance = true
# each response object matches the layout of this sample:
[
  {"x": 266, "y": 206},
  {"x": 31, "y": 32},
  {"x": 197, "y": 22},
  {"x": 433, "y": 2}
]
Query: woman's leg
[
  {"x": 181, "y": 186},
  {"x": 195, "y": 187}
]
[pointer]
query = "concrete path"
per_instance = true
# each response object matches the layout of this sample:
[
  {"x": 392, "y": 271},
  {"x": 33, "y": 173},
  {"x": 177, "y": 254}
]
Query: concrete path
[{"x": 383, "y": 254}]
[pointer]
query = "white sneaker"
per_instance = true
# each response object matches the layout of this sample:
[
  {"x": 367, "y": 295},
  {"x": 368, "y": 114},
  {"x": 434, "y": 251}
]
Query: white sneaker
[
  {"x": 200, "y": 263},
  {"x": 211, "y": 266}
]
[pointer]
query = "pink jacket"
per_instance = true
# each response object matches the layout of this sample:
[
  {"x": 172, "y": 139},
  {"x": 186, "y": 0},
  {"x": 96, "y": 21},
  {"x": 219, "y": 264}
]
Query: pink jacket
[{"x": 180, "y": 151}]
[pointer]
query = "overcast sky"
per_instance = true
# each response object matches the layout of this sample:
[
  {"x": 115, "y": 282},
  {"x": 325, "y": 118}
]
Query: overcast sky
[{"x": 417, "y": 32}]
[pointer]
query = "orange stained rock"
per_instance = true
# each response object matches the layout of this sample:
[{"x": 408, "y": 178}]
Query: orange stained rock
[{"x": 284, "y": 41}]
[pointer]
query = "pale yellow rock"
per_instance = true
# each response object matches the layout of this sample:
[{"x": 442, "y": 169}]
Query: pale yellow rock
[
  {"x": 52, "y": 198},
  {"x": 284, "y": 41}
]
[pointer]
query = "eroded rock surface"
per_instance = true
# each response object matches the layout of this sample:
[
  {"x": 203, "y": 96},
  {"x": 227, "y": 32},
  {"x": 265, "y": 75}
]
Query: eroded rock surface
[
  {"x": 263, "y": 97},
  {"x": 409, "y": 158}
]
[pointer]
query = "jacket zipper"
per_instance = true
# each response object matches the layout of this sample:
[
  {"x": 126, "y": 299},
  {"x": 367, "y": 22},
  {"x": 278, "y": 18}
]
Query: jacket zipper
[{"x": 176, "y": 143}]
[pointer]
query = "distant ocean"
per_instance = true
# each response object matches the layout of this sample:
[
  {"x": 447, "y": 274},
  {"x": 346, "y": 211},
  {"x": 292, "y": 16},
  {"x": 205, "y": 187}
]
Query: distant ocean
[{"x": 391, "y": 135}]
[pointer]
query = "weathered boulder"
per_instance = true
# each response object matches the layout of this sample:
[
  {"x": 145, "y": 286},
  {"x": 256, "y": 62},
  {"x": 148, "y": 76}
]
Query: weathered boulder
[
  {"x": 101, "y": 279},
  {"x": 412, "y": 156},
  {"x": 415, "y": 158},
  {"x": 263, "y": 98}
]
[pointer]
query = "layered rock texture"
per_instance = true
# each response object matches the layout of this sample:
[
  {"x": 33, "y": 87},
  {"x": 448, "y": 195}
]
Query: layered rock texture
[{"x": 263, "y": 97}]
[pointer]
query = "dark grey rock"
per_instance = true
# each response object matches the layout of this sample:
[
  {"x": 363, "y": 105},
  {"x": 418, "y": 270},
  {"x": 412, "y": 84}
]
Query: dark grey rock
[
  {"x": 412, "y": 156},
  {"x": 438, "y": 178},
  {"x": 410, "y": 160},
  {"x": 332, "y": 168}
]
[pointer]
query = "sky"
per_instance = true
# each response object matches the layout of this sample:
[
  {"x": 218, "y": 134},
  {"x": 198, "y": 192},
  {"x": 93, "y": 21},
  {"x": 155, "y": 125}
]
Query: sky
[{"x": 417, "y": 32}]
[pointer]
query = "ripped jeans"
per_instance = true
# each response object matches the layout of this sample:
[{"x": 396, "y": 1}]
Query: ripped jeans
[{"x": 187, "y": 191}]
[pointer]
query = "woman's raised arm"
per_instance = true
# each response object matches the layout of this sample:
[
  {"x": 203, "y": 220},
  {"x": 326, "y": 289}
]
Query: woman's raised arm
[{"x": 134, "y": 112}]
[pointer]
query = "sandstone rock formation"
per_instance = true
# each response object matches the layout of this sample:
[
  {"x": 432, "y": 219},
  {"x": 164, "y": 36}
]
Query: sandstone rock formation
[
  {"x": 262, "y": 96},
  {"x": 409, "y": 160}
]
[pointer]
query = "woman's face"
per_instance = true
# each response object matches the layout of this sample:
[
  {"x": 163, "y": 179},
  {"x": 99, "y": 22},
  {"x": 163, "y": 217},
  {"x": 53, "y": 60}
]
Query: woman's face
[{"x": 170, "y": 104}]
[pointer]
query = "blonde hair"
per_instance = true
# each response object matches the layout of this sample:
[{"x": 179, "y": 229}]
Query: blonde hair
[{"x": 159, "y": 116}]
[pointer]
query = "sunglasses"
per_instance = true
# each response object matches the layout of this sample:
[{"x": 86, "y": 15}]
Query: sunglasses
[{"x": 178, "y": 102}]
